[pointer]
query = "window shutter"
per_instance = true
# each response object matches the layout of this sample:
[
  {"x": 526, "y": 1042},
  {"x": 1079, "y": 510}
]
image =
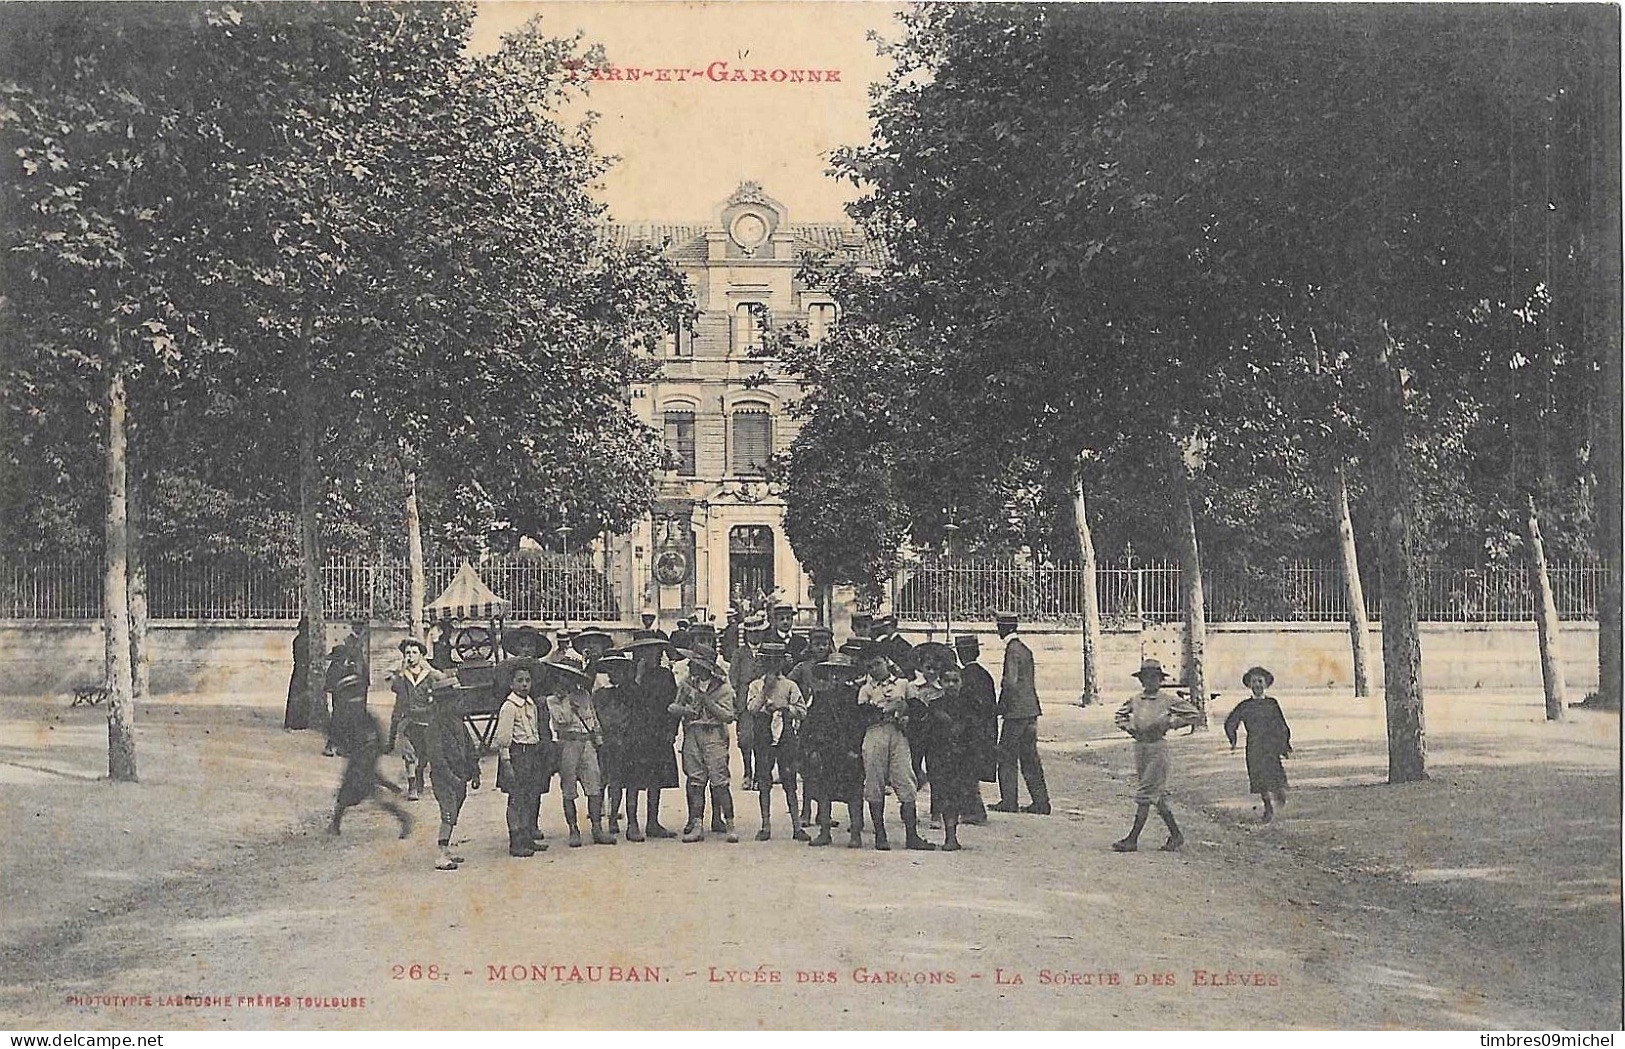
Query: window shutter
[{"x": 752, "y": 441}]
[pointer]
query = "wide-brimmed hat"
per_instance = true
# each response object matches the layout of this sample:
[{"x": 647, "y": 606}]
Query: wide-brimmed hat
[
  {"x": 934, "y": 653},
  {"x": 1152, "y": 668},
  {"x": 698, "y": 658},
  {"x": 412, "y": 642},
  {"x": 571, "y": 663},
  {"x": 1246, "y": 679},
  {"x": 836, "y": 666},
  {"x": 857, "y": 647},
  {"x": 591, "y": 643},
  {"x": 647, "y": 639},
  {"x": 526, "y": 641}
]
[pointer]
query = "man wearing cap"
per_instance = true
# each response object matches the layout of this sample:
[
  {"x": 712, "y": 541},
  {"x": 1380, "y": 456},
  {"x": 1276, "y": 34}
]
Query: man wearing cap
[
  {"x": 832, "y": 746},
  {"x": 575, "y": 724},
  {"x": 745, "y": 669},
  {"x": 413, "y": 686},
  {"x": 705, "y": 702},
  {"x": 521, "y": 768},
  {"x": 886, "y": 758},
  {"x": 981, "y": 700},
  {"x": 781, "y": 623},
  {"x": 776, "y": 705},
  {"x": 651, "y": 762},
  {"x": 731, "y": 632},
  {"x": 1148, "y": 717},
  {"x": 1018, "y": 742}
]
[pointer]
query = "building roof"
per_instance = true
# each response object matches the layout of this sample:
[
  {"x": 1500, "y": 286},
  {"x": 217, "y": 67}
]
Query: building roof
[{"x": 686, "y": 243}]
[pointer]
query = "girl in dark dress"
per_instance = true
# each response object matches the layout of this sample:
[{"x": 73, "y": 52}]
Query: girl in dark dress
[
  {"x": 1269, "y": 739},
  {"x": 954, "y": 787},
  {"x": 831, "y": 747},
  {"x": 650, "y": 761},
  {"x": 613, "y": 705}
]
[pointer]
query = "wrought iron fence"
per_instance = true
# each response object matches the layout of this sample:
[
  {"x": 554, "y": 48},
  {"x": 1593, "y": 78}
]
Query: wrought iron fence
[
  {"x": 542, "y": 589},
  {"x": 1290, "y": 591}
]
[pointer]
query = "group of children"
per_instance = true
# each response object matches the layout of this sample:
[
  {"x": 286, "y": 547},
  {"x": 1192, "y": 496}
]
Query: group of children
[{"x": 853, "y": 725}]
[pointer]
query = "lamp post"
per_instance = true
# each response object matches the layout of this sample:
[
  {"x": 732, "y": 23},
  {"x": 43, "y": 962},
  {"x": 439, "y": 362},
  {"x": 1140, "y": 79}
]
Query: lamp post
[
  {"x": 948, "y": 569},
  {"x": 564, "y": 539}
]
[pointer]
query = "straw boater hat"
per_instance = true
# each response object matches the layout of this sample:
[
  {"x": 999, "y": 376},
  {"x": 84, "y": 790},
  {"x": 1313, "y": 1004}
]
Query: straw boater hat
[
  {"x": 1152, "y": 668},
  {"x": 756, "y": 621},
  {"x": 772, "y": 651},
  {"x": 1247, "y": 678},
  {"x": 1009, "y": 619}
]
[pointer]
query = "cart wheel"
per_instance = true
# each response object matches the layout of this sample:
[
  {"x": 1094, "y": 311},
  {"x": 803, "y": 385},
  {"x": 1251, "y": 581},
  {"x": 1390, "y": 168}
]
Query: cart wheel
[{"x": 472, "y": 643}]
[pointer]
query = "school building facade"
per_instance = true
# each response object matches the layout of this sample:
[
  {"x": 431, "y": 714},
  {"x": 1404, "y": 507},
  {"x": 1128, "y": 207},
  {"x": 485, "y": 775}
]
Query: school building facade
[{"x": 716, "y": 532}]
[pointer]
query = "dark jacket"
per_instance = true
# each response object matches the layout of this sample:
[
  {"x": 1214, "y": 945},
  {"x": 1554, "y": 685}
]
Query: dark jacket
[{"x": 1018, "y": 692}]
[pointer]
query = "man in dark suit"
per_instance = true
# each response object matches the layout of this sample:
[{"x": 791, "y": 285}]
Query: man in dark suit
[{"x": 1018, "y": 742}]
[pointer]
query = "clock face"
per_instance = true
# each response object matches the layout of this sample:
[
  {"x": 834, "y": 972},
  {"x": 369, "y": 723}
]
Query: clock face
[{"x": 749, "y": 230}]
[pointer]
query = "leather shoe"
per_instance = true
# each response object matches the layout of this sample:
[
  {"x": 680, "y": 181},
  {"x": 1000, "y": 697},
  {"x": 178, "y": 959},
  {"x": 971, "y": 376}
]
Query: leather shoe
[
  {"x": 1002, "y": 807},
  {"x": 1036, "y": 810}
]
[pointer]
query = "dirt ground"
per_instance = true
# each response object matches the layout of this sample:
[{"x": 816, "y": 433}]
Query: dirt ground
[{"x": 1487, "y": 897}]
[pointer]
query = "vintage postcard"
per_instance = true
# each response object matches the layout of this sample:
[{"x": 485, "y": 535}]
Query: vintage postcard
[{"x": 1068, "y": 517}]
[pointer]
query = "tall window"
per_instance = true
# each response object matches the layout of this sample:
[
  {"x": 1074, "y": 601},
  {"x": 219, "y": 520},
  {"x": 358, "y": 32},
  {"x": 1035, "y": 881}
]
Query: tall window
[
  {"x": 820, "y": 319},
  {"x": 680, "y": 440},
  {"x": 752, "y": 442},
  {"x": 750, "y": 326},
  {"x": 682, "y": 342}
]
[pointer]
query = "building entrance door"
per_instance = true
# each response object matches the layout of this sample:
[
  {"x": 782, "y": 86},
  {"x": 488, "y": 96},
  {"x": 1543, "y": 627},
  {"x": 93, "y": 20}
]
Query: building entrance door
[{"x": 750, "y": 564}]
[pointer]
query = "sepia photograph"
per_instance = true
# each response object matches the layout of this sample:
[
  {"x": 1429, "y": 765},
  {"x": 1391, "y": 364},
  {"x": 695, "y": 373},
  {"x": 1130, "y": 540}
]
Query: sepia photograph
[{"x": 810, "y": 515}]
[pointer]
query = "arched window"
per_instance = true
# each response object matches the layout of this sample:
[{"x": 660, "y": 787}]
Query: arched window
[
  {"x": 752, "y": 443},
  {"x": 679, "y": 423},
  {"x": 820, "y": 320}
]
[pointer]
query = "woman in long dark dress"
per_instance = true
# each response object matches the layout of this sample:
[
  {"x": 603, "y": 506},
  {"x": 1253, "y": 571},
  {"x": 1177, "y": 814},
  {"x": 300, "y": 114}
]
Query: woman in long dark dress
[
  {"x": 650, "y": 761},
  {"x": 1269, "y": 739}
]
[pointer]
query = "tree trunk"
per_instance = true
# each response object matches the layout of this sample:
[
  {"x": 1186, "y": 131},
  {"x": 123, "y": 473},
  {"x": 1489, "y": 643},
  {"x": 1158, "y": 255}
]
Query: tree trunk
[
  {"x": 1091, "y": 594},
  {"x": 116, "y": 584},
  {"x": 310, "y": 549},
  {"x": 1546, "y": 626},
  {"x": 417, "y": 587},
  {"x": 136, "y": 488},
  {"x": 1190, "y": 570},
  {"x": 1394, "y": 493},
  {"x": 1603, "y": 323},
  {"x": 1348, "y": 563}
]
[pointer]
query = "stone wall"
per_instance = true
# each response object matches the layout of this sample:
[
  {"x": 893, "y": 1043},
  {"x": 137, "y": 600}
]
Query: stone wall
[{"x": 43, "y": 658}]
